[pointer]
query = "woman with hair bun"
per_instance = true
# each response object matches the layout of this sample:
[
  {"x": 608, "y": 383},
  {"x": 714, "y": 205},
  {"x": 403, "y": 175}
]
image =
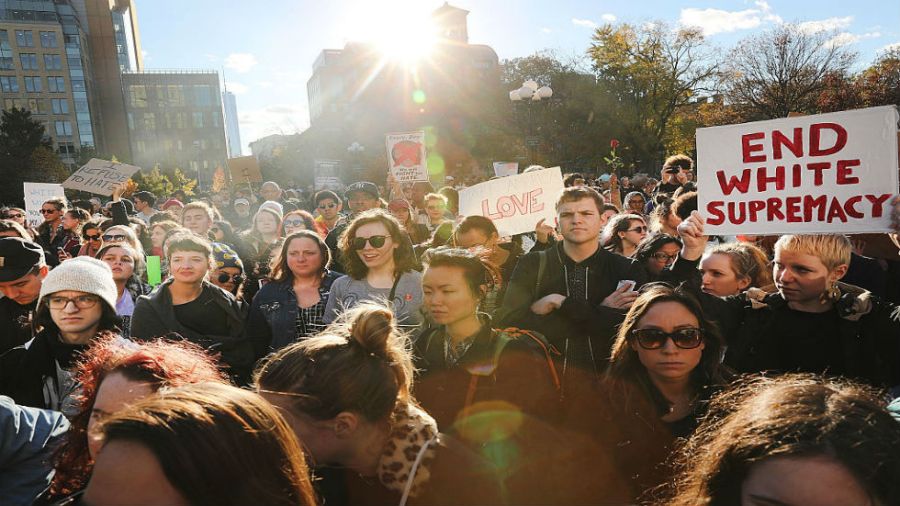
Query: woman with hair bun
[
  {"x": 730, "y": 268},
  {"x": 346, "y": 394}
]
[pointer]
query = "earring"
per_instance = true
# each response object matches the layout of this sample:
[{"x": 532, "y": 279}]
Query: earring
[{"x": 831, "y": 294}]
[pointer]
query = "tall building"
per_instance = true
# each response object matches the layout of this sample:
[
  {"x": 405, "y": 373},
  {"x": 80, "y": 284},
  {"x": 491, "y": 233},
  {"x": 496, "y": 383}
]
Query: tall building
[
  {"x": 174, "y": 119},
  {"x": 46, "y": 68},
  {"x": 232, "y": 127}
]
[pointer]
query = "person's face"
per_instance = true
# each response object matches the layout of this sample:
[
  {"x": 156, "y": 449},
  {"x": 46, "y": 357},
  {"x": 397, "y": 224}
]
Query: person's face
[
  {"x": 293, "y": 223},
  {"x": 319, "y": 441},
  {"x": 70, "y": 318},
  {"x": 266, "y": 224},
  {"x": 417, "y": 193},
  {"x": 242, "y": 209},
  {"x": 719, "y": 278},
  {"x": 50, "y": 213},
  {"x": 663, "y": 258},
  {"x": 139, "y": 205},
  {"x": 636, "y": 204},
  {"x": 435, "y": 210},
  {"x": 578, "y": 182},
  {"x": 16, "y": 216},
  {"x": 26, "y": 289},
  {"x": 69, "y": 222},
  {"x": 401, "y": 213},
  {"x": 668, "y": 363},
  {"x": 269, "y": 192},
  {"x": 217, "y": 233},
  {"x": 802, "y": 278},
  {"x": 689, "y": 175},
  {"x": 798, "y": 480},
  {"x": 228, "y": 285},
  {"x": 93, "y": 237},
  {"x": 579, "y": 221},
  {"x": 114, "y": 234},
  {"x": 116, "y": 391},
  {"x": 189, "y": 267},
  {"x": 127, "y": 472},
  {"x": 328, "y": 208},
  {"x": 361, "y": 201},
  {"x": 476, "y": 238},
  {"x": 197, "y": 221},
  {"x": 672, "y": 220},
  {"x": 370, "y": 255},
  {"x": 157, "y": 235},
  {"x": 604, "y": 218},
  {"x": 636, "y": 232},
  {"x": 448, "y": 298},
  {"x": 121, "y": 263},
  {"x": 304, "y": 258}
]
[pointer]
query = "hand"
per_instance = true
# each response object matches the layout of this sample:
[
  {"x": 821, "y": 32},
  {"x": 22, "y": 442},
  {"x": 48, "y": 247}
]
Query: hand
[
  {"x": 691, "y": 233},
  {"x": 622, "y": 298},
  {"x": 857, "y": 245},
  {"x": 681, "y": 177},
  {"x": 664, "y": 177},
  {"x": 613, "y": 182},
  {"x": 62, "y": 255},
  {"x": 118, "y": 191},
  {"x": 895, "y": 214},
  {"x": 544, "y": 231},
  {"x": 547, "y": 304}
]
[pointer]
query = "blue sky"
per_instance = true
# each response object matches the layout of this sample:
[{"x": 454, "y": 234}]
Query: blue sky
[{"x": 266, "y": 48}]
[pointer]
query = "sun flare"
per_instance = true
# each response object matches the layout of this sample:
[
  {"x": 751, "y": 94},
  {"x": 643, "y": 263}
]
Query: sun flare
[{"x": 401, "y": 30}]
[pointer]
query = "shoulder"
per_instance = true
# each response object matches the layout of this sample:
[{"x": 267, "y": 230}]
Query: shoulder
[{"x": 411, "y": 277}]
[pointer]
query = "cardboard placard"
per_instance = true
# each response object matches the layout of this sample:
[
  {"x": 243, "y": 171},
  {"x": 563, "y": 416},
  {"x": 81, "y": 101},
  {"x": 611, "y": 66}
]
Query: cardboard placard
[
  {"x": 244, "y": 169},
  {"x": 154, "y": 270},
  {"x": 35, "y": 196},
  {"x": 503, "y": 169},
  {"x": 327, "y": 175},
  {"x": 821, "y": 174},
  {"x": 406, "y": 156},
  {"x": 98, "y": 176},
  {"x": 515, "y": 203}
]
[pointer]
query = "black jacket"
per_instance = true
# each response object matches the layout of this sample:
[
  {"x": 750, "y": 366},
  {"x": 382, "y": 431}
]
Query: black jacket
[
  {"x": 154, "y": 316},
  {"x": 582, "y": 331},
  {"x": 15, "y": 323}
]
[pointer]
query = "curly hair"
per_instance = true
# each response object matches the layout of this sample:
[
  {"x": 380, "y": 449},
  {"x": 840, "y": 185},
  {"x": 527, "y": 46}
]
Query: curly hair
[
  {"x": 404, "y": 256},
  {"x": 159, "y": 363}
]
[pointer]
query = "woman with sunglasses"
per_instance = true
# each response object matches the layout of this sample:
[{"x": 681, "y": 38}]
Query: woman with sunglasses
[
  {"x": 18, "y": 215},
  {"x": 657, "y": 254},
  {"x": 127, "y": 268},
  {"x": 91, "y": 239},
  {"x": 381, "y": 265},
  {"x": 623, "y": 233},
  {"x": 296, "y": 221},
  {"x": 50, "y": 234},
  {"x": 122, "y": 233},
  {"x": 228, "y": 272},
  {"x": 665, "y": 366},
  {"x": 9, "y": 228}
]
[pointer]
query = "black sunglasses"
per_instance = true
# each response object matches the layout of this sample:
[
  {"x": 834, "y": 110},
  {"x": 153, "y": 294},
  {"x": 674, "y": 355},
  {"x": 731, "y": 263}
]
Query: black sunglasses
[
  {"x": 237, "y": 279},
  {"x": 48, "y": 211},
  {"x": 114, "y": 238},
  {"x": 16, "y": 215},
  {"x": 92, "y": 237},
  {"x": 654, "y": 339},
  {"x": 376, "y": 241},
  {"x": 639, "y": 230}
]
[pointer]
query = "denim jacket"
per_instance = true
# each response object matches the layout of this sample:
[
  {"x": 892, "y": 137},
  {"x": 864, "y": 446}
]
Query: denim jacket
[{"x": 272, "y": 324}]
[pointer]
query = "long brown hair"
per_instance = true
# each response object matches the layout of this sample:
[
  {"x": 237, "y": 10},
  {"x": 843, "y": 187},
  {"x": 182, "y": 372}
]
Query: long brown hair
[
  {"x": 281, "y": 273},
  {"x": 404, "y": 256},
  {"x": 218, "y": 444}
]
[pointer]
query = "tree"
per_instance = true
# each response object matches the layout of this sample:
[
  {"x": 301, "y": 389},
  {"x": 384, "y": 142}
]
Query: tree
[
  {"x": 783, "y": 70},
  {"x": 880, "y": 83},
  {"x": 26, "y": 155},
  {"x": 650, "y": 72}
]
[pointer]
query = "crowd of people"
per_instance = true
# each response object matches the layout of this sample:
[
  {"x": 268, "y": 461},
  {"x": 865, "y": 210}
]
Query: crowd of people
[{"x": 374, "y": 347}]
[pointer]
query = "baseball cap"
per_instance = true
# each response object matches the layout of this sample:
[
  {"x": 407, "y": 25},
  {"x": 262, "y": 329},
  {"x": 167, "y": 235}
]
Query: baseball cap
[
  {"x": 362, "y": 186},
  {"x": 239, "y": 202},
  {"x": 18, "y": 257}
]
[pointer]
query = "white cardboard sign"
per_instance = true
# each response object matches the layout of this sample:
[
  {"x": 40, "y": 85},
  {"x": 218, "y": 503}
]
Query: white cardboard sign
[
  {"x": 514, "y": 203},
  {"x": 827, "y": 173},
  {"x": 35, "y": 196},
  {"x": 98, "y": 176},
  {"x": 503, "y": 169},
  {"x": 406, "y": 156}
]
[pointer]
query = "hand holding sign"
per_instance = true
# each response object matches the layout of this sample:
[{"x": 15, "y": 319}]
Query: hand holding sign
[{"x": 692, "y": 235}]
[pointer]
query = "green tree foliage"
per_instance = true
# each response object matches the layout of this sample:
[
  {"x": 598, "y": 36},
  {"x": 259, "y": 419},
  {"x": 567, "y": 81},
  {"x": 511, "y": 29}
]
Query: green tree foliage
[
  {"x": 161, "y": 184},
  {"x": 26, "y": 155}
]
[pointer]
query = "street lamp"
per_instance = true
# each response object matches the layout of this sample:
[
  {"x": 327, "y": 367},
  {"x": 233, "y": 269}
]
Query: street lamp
[{"x": 532, "y": 93}]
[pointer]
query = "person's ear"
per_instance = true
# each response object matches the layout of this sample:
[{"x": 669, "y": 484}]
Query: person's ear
[
  {"x": 345, "y": 424},
  {"x": 838, "y": 273},
  {"x": 743, "y": 282},
  {"x": 43, "y": 271}
]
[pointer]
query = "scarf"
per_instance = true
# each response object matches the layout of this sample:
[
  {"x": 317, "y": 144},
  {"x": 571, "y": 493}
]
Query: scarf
[{"x": 412, "y": 429}]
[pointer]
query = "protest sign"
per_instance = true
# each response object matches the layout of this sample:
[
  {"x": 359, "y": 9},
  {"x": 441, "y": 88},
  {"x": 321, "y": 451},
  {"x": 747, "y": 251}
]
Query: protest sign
[
  {"x": 154, "y": 270},
  {"x": 98, "y": 176},
  {"x": 327, "y": 175},
  {"x": 244, "y": 170},
  {"x": 35, "y": 196},
  {"x": 406, "y": 156},
  {"x": 503, "y": 169},
  {"x": 514, "y": 203},
  {"x": 828, "y": 173}
]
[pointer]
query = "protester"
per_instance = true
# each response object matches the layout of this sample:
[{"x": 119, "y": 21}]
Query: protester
[
  {"x": 729, "y": 269},
  {"x": 795, "y": 439},
  {"x": 380, "y": 265},
  {"x": 76, "y": 306},
  {"x": 270, "y": 191},
  {"x": 112, "y": 374},
  {"x": 91, "y": 239},
  {"x": 674, "y": 174},
  {"x": 296, "y": 221},
  {"x": 198, "y": 217},
  {"x": 346, "y": 394},
  {"x": 400, "y": 209},
  {"x": 241, "y": 216},
  {"x": 143, "y": 204},
  {"x": 635, "y": 203},
  {"x": 228, "y": 271},
  {"x": 158, "y": 233},
  {"x": 160, "y": 450},
  {"x": 479, "y": 234},
  {"x": 128, "y": 270},
  {"x": 18, "y": 215},
  {"x": 122, "y": 233},
  {"x": 262, "y": 240},
  {"x": 9, "y": 228},
  {"x": 657, "y": 253},
  {"x": 72, "y": 225},
  {"x": 361, "y": 196},
  {"x": 292, "y": 305},
  {"x": 623, "y": 233},
  {"x": 329, "y": 206},
  {"x": 50, "y": 234},
  {"x": 435, "y": 209},
  {"x": 188, "y": 305}
]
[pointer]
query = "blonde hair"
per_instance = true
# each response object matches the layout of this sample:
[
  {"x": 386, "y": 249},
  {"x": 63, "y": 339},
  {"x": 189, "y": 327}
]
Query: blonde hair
[
  {"x": 832, "y": 249},
  {"x": 747, "y": 261},
  {"x": 436, "y": 196}
]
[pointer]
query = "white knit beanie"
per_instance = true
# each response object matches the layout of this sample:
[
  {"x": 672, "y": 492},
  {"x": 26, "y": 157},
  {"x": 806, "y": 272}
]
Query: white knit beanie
[
  {"x": 273, "y": 206},
  {"x": 82, "y": 274}
]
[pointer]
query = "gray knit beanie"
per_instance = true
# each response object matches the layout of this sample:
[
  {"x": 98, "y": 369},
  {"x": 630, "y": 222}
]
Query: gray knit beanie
[{"x": 82, "y": 274}]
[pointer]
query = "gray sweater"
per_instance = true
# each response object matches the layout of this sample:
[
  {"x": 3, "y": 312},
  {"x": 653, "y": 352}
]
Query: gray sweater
[{"x": 346, "y": 292}]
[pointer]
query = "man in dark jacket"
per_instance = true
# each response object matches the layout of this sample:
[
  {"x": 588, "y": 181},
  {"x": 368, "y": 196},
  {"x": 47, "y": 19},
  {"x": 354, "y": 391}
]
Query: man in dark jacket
[
  {"x": 572, "y": 295},
  {"x": 22, "y": 270}
]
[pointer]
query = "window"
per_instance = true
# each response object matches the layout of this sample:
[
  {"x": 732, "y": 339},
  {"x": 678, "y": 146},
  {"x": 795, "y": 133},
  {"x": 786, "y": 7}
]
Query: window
[
  {"x": 28, "y": 60},
  {"x": 149, "y": 121},
  {"x": 74, "y": 63},
  {"x": 131, "y": 121},
  {"x": 175, "y": 95},
  {"x": 6, "y": 56},
  {"x": 52, "y": 62},
  {"x": 203, "y": 95},
  {"x": 56, "y": 84},
  {"x": 60, "y": 106},
  {"x": 48, "y": 39},
  {"x": 33, "y": 84},
  {"x": 63, "y": 128},
  {"x": 78, "y": 85},
  {"x": 24, "y": 38},
  {"x": 198, "y": 120},
  {"x": 138, "y": 96},
  {"x": 9, "y": 84},
  {"x": 66, "y": 149}
]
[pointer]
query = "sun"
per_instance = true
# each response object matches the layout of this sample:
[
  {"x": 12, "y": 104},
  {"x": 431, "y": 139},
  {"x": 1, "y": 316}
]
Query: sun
[{"x": 401, "y": 30}]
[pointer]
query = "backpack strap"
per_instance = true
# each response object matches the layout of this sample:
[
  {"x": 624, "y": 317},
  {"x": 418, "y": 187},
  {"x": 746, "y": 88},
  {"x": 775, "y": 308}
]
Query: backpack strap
[{"x": 548, "y": 349}]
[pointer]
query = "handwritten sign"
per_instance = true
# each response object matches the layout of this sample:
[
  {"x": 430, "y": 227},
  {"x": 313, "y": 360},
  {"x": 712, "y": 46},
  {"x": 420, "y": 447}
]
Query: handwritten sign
[
  {"x": 98, "y": 176},
  {"x": 406, "y": 156},
  {"x": 828, "y": 173},
  {"x": 514, "y": 203},
  {"x": 35, "y": 196},
  {"x": 244, "y": 169},
  {"x": 503, "y": 169}
]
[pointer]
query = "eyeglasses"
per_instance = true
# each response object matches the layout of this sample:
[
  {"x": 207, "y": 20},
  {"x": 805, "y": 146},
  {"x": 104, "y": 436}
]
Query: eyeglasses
[
  {"x": 92, "y": 237},
  {"x": 662, "y": 257},
  {"x": 639, "y": 230},
  {"x": 48, "y": 211},
  {"x": 654, "y": 339},
  {"x": 326, "y": 206},
  {"x": 236, "y": 279},
  {"x": 81, "y": 302},
  {"x": 293, "y": 223},
  {"x": 376, "y": 241},
  {"x": 17, "y": 215},
  {"x": 114, "y": 238}
]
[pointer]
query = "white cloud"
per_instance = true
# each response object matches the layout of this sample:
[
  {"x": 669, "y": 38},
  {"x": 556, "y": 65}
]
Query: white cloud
[
  {"x": 825, "y": 25},
  {"x": 609, "y": 18},
  {"x": 237, "y": 88},
  {"x": 211, "y": 57},
  {"x": 890, "y": 47},
  {"x": 845, "y": 38},
  {"x": 713, "y": 21},
  {"x": 545, "y": 30},
  {"x": 240, "y": 62},
  {"x": 767, "y": 13},
  {"x": 587, "y": 23}
]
